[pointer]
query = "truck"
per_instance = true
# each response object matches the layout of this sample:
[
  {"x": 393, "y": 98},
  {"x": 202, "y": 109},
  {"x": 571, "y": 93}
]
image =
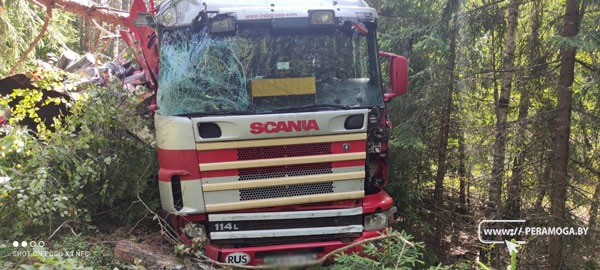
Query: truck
[{"x": 271, "y": 123}]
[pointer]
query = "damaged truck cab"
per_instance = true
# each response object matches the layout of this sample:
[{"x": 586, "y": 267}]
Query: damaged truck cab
[{"x": 271, "y": 125}]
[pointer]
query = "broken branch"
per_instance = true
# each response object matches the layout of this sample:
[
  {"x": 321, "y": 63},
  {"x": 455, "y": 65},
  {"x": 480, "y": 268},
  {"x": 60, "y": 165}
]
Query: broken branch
[
  {"x": 36, "y": 40},
  {"x": 88, "y": 9}
]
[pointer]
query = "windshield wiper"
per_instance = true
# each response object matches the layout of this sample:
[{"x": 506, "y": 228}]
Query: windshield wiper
[{"x": 314, "y": 107}]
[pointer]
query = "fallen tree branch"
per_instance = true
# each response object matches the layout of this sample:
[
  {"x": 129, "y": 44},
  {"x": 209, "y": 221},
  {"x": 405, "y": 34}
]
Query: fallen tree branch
[
  {"x": 88, "y": 9},
  {"x": 37, "y": 3},
  {"x": 61, "y": 225},
  {"x": 173, "y": 239},
  {"x": 102, "y": 29},
  {"x": 36, "y": 40},
  {"x": 400, "y": 257}
]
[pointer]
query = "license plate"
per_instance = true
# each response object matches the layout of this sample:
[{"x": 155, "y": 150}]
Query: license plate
[{"x": 293, "y": 259}]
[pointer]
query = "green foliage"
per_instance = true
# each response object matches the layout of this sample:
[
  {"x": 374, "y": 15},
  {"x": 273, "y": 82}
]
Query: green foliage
[
  {"x": 95, "y": 255},
  {"x": 99, "y": 158},
  {"x": 19, "y": 24},
  {"x": 391, "y": 253},
  {"x": 43, "y": 259},
  {"x": 30, "y": 100},
  {"x": 575, "y": 43}
]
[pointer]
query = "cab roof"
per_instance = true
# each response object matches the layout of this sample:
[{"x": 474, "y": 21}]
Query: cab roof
[{"x": 182, "y": 12}]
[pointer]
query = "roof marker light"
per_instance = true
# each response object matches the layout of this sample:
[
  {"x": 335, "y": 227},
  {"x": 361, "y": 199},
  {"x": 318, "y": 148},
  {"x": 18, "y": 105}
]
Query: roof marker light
[{"x": 322, "y": 17}]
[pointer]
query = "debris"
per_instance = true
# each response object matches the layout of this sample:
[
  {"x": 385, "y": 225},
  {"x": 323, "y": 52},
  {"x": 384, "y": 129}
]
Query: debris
[{"x": 130, "y": 251}]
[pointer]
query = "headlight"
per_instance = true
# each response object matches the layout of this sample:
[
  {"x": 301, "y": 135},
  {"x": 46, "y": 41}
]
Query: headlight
[
  {"x": 379, "y": 220},
  {"x": 193, "y": 230}
]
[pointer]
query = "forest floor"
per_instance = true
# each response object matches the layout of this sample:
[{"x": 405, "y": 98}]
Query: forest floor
[{"x": 460, "y": 243}]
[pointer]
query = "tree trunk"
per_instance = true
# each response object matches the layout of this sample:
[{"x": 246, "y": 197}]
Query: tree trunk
[
  {"x": 462, "y": 174},
  {"x": 85, "y": 34},
  {"x": 444, "y": 131},
  {"x": 560, "y": 180},
  {"x": 502, "y": 109},
  {"x": 129, "y": 251},
  {"x": 543, "y": 182},
  {"x": 536, "y": 62}
]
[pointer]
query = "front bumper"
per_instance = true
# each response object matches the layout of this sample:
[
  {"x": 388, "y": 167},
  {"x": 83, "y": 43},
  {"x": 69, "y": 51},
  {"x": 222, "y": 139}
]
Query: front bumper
[
  {"x": 256, "y": 249},
  {"x": 260, "y": 255}
]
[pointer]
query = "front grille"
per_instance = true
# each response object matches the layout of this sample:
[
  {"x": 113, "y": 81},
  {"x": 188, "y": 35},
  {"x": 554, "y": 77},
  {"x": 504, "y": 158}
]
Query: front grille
[
  {"x": 280, "y": 175},
  {"x": 284, "y": 151},
  {"x": 284, "y": 171},
  {"x": 285, "y": 191},
  {"x": 250, "y": 225}
]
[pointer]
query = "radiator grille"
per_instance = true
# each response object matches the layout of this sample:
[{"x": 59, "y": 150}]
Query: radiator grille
[
  {"x": 281, "y": 171},
  {"x": 285, "y": 191},
  {"x": 284, "y": 171},
  {"x": 284, "y": 151}
]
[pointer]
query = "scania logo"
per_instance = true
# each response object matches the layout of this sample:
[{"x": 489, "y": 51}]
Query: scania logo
[
  {"x": 283, "y": 126},
  {"x": 346, "y": 147}
]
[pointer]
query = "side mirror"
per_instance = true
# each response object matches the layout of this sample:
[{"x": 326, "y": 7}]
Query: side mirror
[{"x": 398, "y": 75}]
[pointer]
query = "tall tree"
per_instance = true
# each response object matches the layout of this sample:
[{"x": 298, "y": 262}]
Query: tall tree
[
  {"x": 502, "y": 110},
  {"x": 560, "y": 179},
  {"x": 450, "y": 30},
  {"x": 534, "y": 60}
]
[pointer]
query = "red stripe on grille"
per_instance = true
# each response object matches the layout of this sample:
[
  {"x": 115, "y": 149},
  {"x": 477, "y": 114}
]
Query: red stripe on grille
[
  {"x": 223, "y": 155},
  {"x": 349, "y": 163},
  {"x": 273, "y": 152}
]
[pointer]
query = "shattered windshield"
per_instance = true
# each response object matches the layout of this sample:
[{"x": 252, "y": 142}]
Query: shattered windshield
[{"x": 257, "y": 71}]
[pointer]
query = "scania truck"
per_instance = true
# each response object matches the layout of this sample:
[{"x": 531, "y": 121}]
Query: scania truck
[{"x": 271, "y": 123}]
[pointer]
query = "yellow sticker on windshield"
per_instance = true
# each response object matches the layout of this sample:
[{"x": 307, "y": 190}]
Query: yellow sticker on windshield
[{"x": 284, "y": 87}]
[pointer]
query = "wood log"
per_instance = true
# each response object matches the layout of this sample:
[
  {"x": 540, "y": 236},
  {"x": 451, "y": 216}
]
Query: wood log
[
  {"x": 129, "y": 251},
  {"x": 80, "y": 65},
  {"x": 66, "y": 59}
]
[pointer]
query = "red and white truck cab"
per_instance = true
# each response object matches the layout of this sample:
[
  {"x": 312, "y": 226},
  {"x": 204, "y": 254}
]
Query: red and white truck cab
[{"x": 271, "y": 125}]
